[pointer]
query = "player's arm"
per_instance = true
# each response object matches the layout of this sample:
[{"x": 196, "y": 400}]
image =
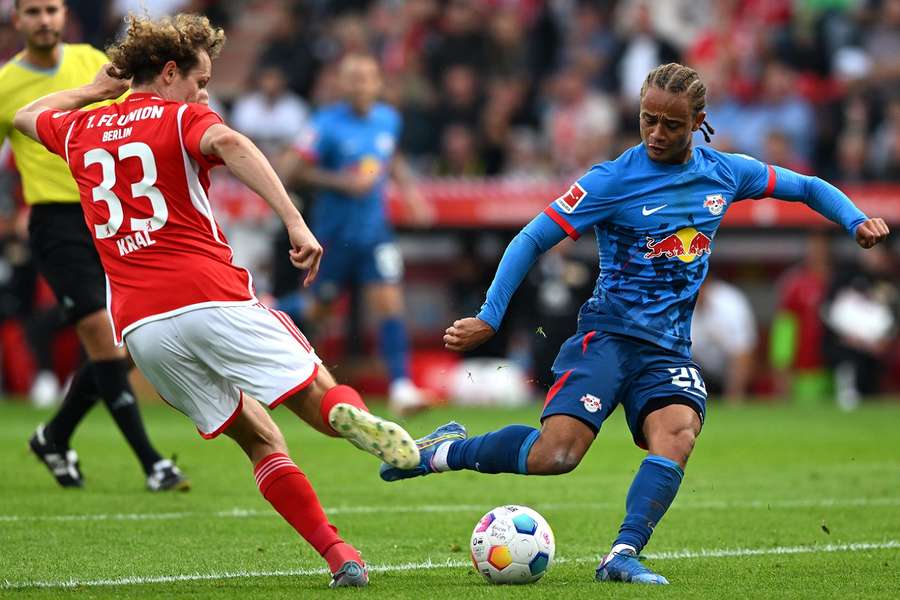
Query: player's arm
[
  {"x": 298, "y": 169},
  {"x": 105, "y": 86},
  {"x": 248, "y": 164},
  {"x": 828, "y": 201},
  {"x": 402, "y": 175},
  {"x": 537, "y": 237}
]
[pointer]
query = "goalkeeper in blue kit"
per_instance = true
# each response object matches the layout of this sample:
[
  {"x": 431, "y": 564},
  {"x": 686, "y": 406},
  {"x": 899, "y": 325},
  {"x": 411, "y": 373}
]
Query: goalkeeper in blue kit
[{"x": 655, "y": 211}]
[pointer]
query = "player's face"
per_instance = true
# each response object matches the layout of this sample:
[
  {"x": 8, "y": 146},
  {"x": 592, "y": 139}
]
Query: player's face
[
  {"x": 40, "y": 22},
  {"x": 191, "y": 87},
  {"x": 361, "y": 81},
  {"x": 668, "y": 125}
]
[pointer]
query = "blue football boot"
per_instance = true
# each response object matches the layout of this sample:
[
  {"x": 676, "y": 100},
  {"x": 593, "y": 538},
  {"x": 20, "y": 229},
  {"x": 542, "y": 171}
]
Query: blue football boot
[
  {"x": 426, "y": 445},
  {"x": 626, "y": 566}
]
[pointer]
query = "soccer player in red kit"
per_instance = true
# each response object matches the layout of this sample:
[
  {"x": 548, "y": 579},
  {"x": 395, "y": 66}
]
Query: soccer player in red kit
[{"x": 189, "y": 316}]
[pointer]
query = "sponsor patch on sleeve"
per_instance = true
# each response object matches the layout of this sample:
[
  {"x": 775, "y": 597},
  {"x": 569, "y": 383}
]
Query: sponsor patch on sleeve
[{"x": 569, "y": 201}]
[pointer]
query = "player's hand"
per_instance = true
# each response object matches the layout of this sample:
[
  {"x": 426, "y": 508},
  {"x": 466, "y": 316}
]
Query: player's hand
[
  {"x": 359, "y": 184},
  {"x": 108, "y": 84},
  {"x": 870, "y": 232},
  {"x": 466, "y": 334},
  {"x": 305, "y": 252}
]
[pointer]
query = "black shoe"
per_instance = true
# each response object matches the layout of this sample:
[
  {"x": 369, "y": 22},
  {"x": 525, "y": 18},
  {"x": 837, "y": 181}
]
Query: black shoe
[
  {"x": 166, "y": 476},
  {"x": 62, "y": 462}
]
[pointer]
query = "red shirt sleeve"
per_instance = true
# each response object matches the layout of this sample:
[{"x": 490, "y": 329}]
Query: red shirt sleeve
[
  {"x": 53, "y": 130},
  {"x": 196, "y": 120}
]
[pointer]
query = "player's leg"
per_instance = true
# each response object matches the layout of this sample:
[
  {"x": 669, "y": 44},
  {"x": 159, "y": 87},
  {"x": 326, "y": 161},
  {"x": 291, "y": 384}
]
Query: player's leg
[
  {"x": 51, "y": 442},
  {"x": 173, "y": 354},
  {"x": 572, "y": 417},
  {"x": 111, "y": 366},
  {"x": 290, "y": 493},
  {"x": 65, "y": 255},
  {"x": 339, "y": 411},
  {"x": 667, "y": 426},
  {"x": 380, "y": 270},
  {"x": 277, "y": 365}
]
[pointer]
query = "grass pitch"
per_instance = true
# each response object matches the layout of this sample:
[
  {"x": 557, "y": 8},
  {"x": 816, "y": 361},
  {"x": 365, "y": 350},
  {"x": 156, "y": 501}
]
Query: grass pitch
[{"x": 777, "y": 503}]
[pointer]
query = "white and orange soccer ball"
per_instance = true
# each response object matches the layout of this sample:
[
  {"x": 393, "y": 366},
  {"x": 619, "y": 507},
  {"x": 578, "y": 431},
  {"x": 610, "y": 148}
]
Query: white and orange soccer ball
[{"x": 512, "y": 544}]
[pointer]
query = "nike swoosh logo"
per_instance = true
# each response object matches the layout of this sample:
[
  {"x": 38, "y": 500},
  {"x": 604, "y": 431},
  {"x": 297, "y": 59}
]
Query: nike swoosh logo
[{"x": 647, "y": 213}]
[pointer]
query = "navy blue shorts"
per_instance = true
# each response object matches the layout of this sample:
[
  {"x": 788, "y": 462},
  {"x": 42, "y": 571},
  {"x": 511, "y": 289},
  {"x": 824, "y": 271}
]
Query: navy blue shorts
[
  {"x": 364, "y": 264},
  {"x": 596, "y": 371}
]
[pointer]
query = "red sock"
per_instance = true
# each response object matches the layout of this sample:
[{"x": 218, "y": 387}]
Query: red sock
[
  {"x": 340, "y": 394},
  {"x": 289, "y": 491}
]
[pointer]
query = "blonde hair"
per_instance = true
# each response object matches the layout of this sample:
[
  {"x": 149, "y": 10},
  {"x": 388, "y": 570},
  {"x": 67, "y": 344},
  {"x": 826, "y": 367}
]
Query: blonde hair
[{"x": 148, "y": 45}]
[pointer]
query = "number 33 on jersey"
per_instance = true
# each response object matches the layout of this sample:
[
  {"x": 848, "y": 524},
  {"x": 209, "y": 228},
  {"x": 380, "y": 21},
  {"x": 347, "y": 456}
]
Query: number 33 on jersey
[{"x": 144, "y": 187}]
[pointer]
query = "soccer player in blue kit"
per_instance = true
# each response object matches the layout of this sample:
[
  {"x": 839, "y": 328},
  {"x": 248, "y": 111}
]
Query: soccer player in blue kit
[
  {"x": 347, "y": 154},
  {"x": 655, "y": 211}
]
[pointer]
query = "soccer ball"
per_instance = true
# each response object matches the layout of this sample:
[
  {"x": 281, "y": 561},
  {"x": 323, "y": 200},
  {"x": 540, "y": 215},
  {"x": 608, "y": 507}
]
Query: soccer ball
[{"x": 512, "y": 544}]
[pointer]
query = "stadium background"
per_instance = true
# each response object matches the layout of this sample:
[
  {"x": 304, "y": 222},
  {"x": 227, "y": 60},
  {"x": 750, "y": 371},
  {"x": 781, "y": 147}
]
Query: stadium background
[{"x": 504, "y": 103}]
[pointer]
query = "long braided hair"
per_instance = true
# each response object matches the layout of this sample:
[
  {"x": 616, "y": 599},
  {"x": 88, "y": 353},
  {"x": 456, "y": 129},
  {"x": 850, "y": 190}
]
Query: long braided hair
[{"x": 679, "y": 79}]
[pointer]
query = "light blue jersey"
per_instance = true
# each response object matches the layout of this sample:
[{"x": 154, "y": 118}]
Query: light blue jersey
[
  {"x": 338, "y": 140},
  {"x": 655, "y": 225}
]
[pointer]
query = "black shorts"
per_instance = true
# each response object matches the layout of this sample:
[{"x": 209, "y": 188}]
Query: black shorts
[{"x": 64, "y": 252}]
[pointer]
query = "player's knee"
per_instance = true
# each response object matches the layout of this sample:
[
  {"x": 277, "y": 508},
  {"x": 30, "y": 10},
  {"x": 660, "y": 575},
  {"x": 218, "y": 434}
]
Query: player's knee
[
  {"x": 554, "y": 460},
  {"x": 676, "y": 444}
]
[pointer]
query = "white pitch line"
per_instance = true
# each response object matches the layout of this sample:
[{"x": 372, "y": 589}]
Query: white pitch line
[
  {"x": 239, "y": 513},
  {"x": 448, "y": 564}
]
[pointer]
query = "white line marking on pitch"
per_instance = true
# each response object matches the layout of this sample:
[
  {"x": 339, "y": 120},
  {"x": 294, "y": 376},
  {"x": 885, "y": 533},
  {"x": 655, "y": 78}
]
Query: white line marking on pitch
[
  {"x": 239, "y": 513},
  {"x": 449, "y": 564}
]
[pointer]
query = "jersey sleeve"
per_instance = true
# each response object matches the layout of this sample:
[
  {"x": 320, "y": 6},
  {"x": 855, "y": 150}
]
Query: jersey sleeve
[
  {"x": 313, "y": 144},
  {"x": 589, "y": 201},
  {"x": 53, "y": 128},
  {"x": 196, "y": 120},
  {"x": 753, "y": 179}
]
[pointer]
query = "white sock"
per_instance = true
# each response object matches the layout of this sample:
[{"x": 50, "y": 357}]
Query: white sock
[
  {"x": 620, "y": 547},
  {"x": 439, "y": 460}
]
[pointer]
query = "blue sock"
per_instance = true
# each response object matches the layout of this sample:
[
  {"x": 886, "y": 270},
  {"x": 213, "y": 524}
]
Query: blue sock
[
  {"x": 652, "y": 491},
  {"x": 394, "y": 347},
  {"x": 503, "y": 451}
]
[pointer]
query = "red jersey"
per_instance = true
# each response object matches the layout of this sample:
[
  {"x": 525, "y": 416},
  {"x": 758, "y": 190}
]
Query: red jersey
[{"x": 143, "y": 183}]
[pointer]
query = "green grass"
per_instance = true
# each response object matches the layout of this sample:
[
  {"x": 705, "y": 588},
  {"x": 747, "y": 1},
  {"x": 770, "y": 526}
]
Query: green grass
[{"x": 761, "y": 478}]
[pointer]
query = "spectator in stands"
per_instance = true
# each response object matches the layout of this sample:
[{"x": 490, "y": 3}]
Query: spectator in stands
[
  {"x": 639, "y": 49},
  {"x": 861, "y": 315},
  {"x": 795, "y": 342},
  {"x": 777, "y": 150},
  {"x": 852, "y": 158},
  {"x": 882, "y": 44},
  {"x": 459, "y": 153},
  {"x": 295, "y": 47},
  {"x": 272, "y": 116},
  {"x": 779, "y": 107},
  {"x": 723, "y": 332},
  {"x": 461, "y": 39},
  {"x": 460, "y": 98},
  {"x": 576, "y": 113},
  {"x": 524, "y": 155},
  {"x": 886, "y": 143}
]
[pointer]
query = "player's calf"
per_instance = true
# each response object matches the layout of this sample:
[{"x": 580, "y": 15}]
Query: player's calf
[{"x": 562, "y": 444}]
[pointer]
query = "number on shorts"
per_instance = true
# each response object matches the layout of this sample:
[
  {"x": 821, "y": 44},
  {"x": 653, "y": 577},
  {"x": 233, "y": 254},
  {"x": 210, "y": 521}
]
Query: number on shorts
[
  {"x": 145, "y": 187},
  {"x": 687, "y": 378},
  {"x": 389, "y": 261}
]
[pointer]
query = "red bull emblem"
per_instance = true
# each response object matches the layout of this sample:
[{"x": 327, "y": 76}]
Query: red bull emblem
[
  {"x": 715, "y": 203},
  {"x": 685, "y": 244}
]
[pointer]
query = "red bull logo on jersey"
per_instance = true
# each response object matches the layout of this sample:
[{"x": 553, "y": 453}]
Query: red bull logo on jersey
[
  {"x": 685, "y": 244},
  {"x": 715, "y": 203}
]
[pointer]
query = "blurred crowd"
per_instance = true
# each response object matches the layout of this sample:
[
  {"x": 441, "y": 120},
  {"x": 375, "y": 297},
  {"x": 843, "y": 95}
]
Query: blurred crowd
[
  {"x": 533, "y": 87},
  {"x": 539, "y": 88}
]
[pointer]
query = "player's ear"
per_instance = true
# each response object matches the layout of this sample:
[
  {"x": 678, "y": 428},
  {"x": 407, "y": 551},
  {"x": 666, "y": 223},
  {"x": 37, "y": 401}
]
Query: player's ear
[
  {"x": 170, "y": 71},
  {"x": 698, "y": 120}
]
